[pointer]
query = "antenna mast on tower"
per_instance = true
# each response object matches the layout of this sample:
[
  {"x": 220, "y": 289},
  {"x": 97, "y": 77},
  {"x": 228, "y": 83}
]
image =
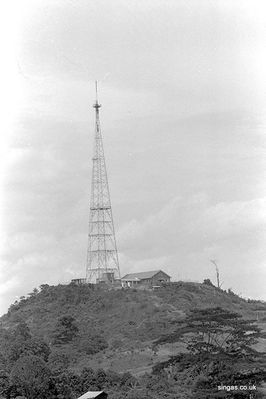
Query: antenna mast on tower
[{"x": 102, "y": 257}]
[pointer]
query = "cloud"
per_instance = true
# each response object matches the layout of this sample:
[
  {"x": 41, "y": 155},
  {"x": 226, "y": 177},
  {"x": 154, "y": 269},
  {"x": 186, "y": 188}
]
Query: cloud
[
  {"x": 9, "y": 285},
  {"x": 226, "y": 219},
  {"x": 186, "y": 234},
  {"x": 30, "y": 259},
  {"x": 192, "y": 216}
]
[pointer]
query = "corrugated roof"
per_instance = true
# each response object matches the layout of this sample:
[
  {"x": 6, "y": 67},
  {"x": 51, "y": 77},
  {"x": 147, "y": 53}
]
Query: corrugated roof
[
  {"x": 130, "y": 279},
  {"x": 90, "y": 395},
  {"x": 142, "y": 275}
]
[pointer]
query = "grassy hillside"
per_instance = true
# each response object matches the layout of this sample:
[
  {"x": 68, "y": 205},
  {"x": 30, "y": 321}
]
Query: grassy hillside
[{"x": 116, "y": 328}]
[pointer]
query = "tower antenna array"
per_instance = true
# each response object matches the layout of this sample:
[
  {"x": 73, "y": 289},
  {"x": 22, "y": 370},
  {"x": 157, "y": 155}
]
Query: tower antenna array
[{"x": 102, "y": 256}]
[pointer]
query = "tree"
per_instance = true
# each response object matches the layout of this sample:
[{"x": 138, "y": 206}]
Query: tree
[
  {"x": 87, "y": 378},
  {"x": 22, "y": 343},
  {"x": 58, "y": 362},
  {"x": 5, "y": 339},
  {"x": 67, "y": 385},
  {"x": 33, "y": 346},
  {"x": 4, "y": 383},
  {"x": 44, "y": 287},
  {"x": 65, "y": 331},
  {"x": 31, "y": 375},
  {"x": 62, "y": 386},
  {"x": 220, "y": 348},
  {"x": 19, "y": 342},
  {"x": 100, "y": 378},
  {"x": 215, "y": 330},
  {"x": 22, "y": 330},
  {"x": 219, "y": 284}
]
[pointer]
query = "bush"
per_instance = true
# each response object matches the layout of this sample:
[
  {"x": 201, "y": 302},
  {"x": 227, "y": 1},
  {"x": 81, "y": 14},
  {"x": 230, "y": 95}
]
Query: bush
[
  {"x": 92, "y": 344},
  {"x": 207, "y": 281}
]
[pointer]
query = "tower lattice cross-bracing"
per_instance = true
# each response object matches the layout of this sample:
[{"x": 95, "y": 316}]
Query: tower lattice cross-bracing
[{"x": 102, "y": 257}]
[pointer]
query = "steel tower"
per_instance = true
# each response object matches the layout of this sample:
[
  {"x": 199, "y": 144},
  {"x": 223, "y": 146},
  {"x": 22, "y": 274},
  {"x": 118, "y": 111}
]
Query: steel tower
[{"x": 102, "y": 257}]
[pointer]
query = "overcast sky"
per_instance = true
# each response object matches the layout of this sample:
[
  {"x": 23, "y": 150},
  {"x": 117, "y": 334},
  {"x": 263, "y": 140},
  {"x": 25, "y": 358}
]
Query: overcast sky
[{"x": 183, "y": 93}]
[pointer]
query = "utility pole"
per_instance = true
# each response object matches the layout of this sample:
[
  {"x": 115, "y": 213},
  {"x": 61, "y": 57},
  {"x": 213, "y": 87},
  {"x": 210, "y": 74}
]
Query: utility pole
[{"x": 102, "y": 256}]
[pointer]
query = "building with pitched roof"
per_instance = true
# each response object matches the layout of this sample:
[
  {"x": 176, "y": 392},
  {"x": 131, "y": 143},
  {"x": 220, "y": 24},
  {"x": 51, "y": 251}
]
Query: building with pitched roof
[
  {"x": 149, "y": 279},
  {"x": 94, "y": 395}
]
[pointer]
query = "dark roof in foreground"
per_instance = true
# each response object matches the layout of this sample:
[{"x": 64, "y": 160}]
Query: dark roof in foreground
[
  {"x": 142, "y": 275},
  {"x": 90, "y": 395}
]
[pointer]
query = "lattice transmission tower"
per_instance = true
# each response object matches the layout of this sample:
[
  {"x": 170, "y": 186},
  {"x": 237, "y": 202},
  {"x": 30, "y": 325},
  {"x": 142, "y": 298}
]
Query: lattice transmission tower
[{"x": 102, "y": 257}]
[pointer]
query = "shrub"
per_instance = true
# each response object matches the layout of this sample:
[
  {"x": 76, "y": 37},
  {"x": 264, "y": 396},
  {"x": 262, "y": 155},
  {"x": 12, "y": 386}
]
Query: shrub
[{"x": 92, "y": 344}]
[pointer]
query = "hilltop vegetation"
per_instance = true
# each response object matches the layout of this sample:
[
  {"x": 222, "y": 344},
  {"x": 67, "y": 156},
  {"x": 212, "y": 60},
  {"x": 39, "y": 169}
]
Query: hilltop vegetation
[{"x": 77, "y": 334}]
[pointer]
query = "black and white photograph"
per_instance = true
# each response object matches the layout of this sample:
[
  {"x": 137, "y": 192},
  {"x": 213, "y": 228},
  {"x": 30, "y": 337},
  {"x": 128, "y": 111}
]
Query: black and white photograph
[{"x": 133, "y": 199}]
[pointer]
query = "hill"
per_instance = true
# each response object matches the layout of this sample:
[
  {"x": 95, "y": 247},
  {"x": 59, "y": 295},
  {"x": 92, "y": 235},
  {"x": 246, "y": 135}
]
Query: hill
[{"x": 114, "y": 329}]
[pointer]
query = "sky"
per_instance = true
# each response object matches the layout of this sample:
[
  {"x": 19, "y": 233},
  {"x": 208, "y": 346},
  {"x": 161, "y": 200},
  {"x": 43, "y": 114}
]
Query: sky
[{"x": 183, "y": 91}]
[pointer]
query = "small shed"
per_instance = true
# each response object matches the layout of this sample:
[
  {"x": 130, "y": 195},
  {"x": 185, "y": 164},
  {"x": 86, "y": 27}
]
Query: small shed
[{"x": 94, "y": 394}]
